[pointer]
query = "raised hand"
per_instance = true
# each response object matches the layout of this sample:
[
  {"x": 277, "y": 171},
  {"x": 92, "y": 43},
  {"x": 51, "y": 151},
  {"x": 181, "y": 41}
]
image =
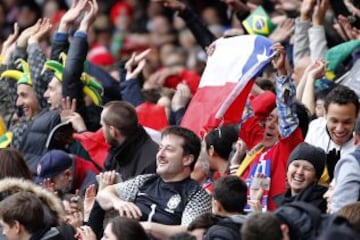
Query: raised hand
[
  {"x": 89, "y": 200},
  {"x": 71, "y": 15},
  {"x": 136, "y": 64},
  {"x": 172, "y": 4},
  {"x": 44, "y": 29},
  {"x": 181, "y": 97},
  {"x": 320, "y": 12},
  {"x": 352, "y": 9},
  {"x": 27, "y": 33},
  {"x": 9, "y": 44},
  {"x": 348, "y": 31},
  {"x": 240, "y": 151},
  {"x": 77, "y": 122},
  {"x": 279, "y": 60},
  {"x": 240, "y": 6},
  {"x": 307, "y": 6},
  {"x": 317, "y": 69},
  {"x": 90, "y": 16},
  {"x": 68, "y": 108},
  {"x": 283, "y": 31}
]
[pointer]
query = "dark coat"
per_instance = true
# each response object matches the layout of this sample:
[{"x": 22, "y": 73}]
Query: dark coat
[
  {"x": 34, "y": 142},
  {"x": 134, "y": 157},
  {"x": 312, "y": 194},
  {"x": 227, "y": 228}
]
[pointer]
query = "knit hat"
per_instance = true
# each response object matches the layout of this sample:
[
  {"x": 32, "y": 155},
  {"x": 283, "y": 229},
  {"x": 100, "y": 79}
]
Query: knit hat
[
  {"x": 315, "y": 155},
  {"x": 52, "y": 164}
]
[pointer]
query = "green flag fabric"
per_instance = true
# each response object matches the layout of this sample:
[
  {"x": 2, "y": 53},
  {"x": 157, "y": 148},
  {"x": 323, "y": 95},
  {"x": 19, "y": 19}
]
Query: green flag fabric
[{"x": 259, "y": 22}]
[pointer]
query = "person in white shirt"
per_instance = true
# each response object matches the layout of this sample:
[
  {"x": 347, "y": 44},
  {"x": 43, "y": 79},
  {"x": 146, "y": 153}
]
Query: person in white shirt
[{"x": 334, "y": 132}]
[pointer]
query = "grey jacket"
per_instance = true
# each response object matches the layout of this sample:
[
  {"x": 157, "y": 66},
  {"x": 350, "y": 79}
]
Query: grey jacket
[{"x": 347, "y": 180}]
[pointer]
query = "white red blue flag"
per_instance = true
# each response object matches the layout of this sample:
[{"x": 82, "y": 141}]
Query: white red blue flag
[{"x": 226, "y": 82}]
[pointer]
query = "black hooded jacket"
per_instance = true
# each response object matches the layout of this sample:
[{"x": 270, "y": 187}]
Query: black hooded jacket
[{"x": 312, "y": 194}]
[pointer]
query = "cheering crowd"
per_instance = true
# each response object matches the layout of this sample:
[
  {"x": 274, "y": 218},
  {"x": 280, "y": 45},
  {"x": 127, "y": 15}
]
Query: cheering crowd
[{"x": 107, "y": 132}]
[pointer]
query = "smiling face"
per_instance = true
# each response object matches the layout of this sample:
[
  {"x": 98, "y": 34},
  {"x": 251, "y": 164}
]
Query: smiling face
[
  {"x": 340, "y": 121},
  {"x": 27, "y": 100},
  {"x": 300, "y": 175},
  {"x": 53, "y": 93},
  {"x": 170, "y": 159}
]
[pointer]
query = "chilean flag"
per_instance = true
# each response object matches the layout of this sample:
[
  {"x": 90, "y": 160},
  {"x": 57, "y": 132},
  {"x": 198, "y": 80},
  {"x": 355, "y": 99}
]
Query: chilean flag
[{"x": 226, "y": 82}]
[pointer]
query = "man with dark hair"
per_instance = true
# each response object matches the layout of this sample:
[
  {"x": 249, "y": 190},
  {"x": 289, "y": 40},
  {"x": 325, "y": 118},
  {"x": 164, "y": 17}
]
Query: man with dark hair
[
  {"x": 169, "y": 200},
  {"x": 347, "y": 176},
  {"x": 132, "y": 150},
  {"x": 219, "y": 142},
  {"x": 228, "y": 203},
  {"x": 334, "y": 133},
  {"x": 263, "y": 226},
  {"x": 22, "y": 217}
]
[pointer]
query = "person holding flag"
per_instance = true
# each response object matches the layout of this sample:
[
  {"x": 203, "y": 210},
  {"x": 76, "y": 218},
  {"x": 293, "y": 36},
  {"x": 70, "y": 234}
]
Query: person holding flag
[{"x": 271, "y": 145}]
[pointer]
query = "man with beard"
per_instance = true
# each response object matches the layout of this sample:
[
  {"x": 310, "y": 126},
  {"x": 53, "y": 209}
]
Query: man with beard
[
  {"x": 68, "y": 173},
  {"x": 132, "y": 150},
  {"x": 165, "y": 202}
]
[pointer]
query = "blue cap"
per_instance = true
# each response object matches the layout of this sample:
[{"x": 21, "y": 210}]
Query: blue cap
[{"x": 52, "y": 164}]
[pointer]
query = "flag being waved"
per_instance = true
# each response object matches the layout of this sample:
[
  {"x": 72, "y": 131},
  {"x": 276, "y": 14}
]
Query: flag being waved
[{"x": 227, "y": 81}]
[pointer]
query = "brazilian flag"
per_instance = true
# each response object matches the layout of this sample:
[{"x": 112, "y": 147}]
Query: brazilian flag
[{"x": 258, "y": 22}]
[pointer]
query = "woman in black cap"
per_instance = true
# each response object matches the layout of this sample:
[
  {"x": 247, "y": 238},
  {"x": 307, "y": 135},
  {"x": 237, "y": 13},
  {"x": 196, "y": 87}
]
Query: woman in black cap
[{"x": 305, "y": 167}]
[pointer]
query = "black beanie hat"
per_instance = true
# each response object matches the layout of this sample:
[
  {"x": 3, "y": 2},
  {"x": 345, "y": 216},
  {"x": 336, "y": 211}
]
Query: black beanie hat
[{"x": 315, "y": 155}]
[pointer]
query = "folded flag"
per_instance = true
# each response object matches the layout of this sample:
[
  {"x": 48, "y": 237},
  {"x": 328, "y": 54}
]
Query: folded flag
[
  {"x": 227, "y": 81},
  {"x": 259, "y": 22}
]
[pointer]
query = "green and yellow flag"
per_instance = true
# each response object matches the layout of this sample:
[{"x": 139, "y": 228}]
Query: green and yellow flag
[
  {"x": 337, "y": 55},
  {"x": 258, "y": 22}
]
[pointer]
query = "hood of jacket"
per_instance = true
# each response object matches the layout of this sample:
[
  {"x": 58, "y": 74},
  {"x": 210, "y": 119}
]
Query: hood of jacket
[{"x": 10, "y": 186}]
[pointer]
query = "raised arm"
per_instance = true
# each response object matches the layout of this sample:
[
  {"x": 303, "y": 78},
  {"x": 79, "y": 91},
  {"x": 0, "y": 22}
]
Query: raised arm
[
  {"x": 9, "y": 84},
  {"x": 285, "y": 95},
  {"x": 302, "y": 25},
  {"x": 60, "y": 42},
  {"x": 201, "y": 33},
  {"x": 317, "y": 38},
  {"x": 37, "y": 59},
  {"x": 315, "y": 71},
  {"x": 74, "y": 66}
]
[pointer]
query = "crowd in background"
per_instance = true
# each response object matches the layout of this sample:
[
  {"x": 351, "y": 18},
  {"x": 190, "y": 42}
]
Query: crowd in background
[{"x": 93, "y": 146}]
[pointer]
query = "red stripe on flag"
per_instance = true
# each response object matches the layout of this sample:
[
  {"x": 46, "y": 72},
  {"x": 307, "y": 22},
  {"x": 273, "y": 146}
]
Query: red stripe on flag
[{"x": 200, "y": 115}]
